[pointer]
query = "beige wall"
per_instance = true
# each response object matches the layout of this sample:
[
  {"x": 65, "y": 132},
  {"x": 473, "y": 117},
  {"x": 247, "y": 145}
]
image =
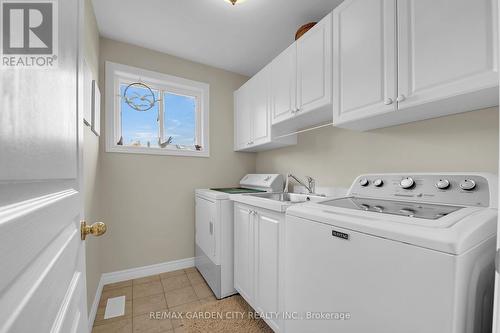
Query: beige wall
[
  {"x": 148, "y": 200},
  {"x": 91, "y": 160},
  {"x": 334, "y": 156}
]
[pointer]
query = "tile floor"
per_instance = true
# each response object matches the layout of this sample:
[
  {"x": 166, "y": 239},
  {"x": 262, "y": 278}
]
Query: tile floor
[{"x": 180, "y": 290}]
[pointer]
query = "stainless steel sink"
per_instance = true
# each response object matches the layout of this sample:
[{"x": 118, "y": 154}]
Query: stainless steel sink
[{"x": 289, "y": 197}]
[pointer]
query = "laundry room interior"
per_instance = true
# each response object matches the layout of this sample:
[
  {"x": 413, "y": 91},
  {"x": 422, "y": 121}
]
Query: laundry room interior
[
  {"x": 147, "y": 201},
  {"x": 315, "y": 166}
]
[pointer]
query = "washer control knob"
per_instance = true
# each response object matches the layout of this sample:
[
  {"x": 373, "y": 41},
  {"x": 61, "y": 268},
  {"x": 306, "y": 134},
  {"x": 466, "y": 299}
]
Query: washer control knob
[
  {"x": 378, "y": 182},
  {"x": 443, "y": 184},
  {"x": 407, "y": 211},
  {"x": 364, "y": 207},
  {"x": 468, "y": 185},
  {"x": 407, "y": 183},
  {"x": 363, "y": 182},
  {"x": 379, "y": 209}
]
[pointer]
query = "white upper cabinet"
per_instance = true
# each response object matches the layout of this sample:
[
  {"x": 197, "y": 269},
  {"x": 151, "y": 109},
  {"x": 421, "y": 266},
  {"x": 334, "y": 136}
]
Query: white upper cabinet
[
  {"x": 446, "y": 48},
  {"x": 314, "y": 67},
  {"x": 252, "y": 120},
  {"x": 284, "y": 85},
  {"x": 242, "y": 124},
  {"x": 420, "y": 59},
  {"x": 242, "y": 119},
  {"x": 364, "y": 58},
  {"x": 259, "y": 99},
  {"x": 301, "y": 81},
  {"x": 294, "y": 91},
  {"x": 253, "y": 115}
]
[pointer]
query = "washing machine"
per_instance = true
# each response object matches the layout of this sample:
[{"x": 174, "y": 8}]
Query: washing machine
[
  {"x": 214, "y": 229},
  {"x": 401, "y": 253}
]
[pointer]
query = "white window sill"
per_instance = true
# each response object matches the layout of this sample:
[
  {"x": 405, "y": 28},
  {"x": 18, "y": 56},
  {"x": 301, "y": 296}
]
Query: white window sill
[{"x": 157, "y": 151}]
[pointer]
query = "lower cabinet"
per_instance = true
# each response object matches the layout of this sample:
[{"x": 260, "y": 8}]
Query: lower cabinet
[
  {"x": 257, "y": 264},
  {"x": 244, "y": 251}
]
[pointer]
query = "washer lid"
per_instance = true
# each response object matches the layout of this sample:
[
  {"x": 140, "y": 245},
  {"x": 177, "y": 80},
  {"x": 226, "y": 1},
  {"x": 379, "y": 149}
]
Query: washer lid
[
  {"x": 454, "y": 233},
  {"x": 412, "y": 209},
  {"x": 236, "y": 190}
]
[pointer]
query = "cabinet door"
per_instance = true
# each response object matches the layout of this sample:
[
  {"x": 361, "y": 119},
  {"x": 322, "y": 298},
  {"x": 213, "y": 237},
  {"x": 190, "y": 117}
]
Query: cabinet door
[
  {"x": 314, "y": 67},
  {"x": 446, "y": 48},
  {"x": 259, "y": 100},
  {"x": 243, "y": 252},
  {"x": 364, "y": 59},
  {"x": 205, "y": 229},
  {"x": 267, "y": 260},
  {"x": 242, "y": 118},
  {"x": 284, "y": 85}
]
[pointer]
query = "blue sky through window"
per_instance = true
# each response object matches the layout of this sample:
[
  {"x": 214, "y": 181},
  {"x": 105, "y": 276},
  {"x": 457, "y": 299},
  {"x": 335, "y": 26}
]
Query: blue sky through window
[
  {"x": 141, "y": 128},
  {"x": 180, "y": 118}
]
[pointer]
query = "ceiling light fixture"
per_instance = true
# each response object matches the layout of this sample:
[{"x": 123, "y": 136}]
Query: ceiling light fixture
[{"x": 233, "y": 2}]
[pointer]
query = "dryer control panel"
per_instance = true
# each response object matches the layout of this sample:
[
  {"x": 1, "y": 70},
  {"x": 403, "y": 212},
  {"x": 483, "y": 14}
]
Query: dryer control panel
[
  {"x": 453, "y": 189},
  {"x": 264, "y": 182}
]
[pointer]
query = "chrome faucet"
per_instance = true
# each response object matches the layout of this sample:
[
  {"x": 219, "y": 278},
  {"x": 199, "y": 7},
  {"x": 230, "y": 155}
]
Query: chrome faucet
[{"x": 310, "y": 186}]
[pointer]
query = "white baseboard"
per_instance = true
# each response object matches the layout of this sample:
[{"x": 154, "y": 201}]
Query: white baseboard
[
  {"x": 139, "y": 272},
  {"x": 134, "y": 273},
  {"x": 95, "y": 304}
]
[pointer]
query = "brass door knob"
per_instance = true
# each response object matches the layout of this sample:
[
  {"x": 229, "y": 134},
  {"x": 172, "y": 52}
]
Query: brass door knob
[{"x": 96, "y": 229}]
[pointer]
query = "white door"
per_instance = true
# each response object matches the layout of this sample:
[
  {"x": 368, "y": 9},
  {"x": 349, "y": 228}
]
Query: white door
[
  {"x": 364, "y": 59},
  {"x": 446, "y": 48},
  {"x": 496, "y": 311},
  {"x": 42, "y": 258},
  {"x": 267, "y": 263},
  {"x": 284, "y": 85},
  {"x": 243, "y": 251},
  {"x": 314, "y": 67},
  {"x": 259, "y": 100},
  {"x": 242, "y": 114}
]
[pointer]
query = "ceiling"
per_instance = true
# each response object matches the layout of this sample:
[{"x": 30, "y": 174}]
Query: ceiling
[{"x": 241, "y": 38}]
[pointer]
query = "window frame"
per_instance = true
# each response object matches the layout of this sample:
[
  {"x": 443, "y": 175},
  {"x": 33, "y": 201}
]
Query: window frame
[{"x": 116, "y": 74}]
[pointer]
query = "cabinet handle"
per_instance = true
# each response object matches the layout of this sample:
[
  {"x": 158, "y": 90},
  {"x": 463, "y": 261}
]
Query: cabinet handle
[
  {"x": 211, "y": 228},
  {"x": 250, "y": 143},
  {"x": 401, "y": 98},
  {"x": 388, "y": 101}
]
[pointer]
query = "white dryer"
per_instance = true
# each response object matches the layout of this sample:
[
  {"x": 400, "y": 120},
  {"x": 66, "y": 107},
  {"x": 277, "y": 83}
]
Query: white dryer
[
  {"x": 214, "y": 231},
  {"x": 409, "y": 253}
]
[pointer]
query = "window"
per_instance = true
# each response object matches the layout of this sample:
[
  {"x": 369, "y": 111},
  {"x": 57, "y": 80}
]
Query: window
[{"x": 153, "y": 113}]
